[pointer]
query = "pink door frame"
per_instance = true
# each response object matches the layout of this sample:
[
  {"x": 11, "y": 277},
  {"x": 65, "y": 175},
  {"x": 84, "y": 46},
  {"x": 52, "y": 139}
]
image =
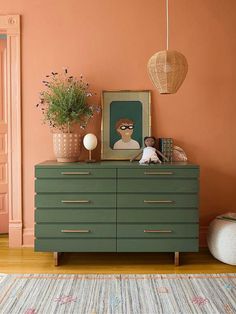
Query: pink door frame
[
  {"x": 4, "y": 217},
  {"x": 10, "y": 25}
]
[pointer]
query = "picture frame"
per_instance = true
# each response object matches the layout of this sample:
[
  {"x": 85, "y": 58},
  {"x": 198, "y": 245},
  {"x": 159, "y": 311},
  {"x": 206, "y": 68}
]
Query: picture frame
[{"x": 126, "y": 120}]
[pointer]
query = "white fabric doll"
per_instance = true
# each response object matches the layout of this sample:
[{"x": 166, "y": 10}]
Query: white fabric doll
[{"x": 149, "y": 153}]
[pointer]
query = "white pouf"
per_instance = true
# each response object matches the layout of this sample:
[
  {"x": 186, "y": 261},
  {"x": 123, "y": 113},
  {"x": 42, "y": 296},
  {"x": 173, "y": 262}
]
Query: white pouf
[{"x": 221, "y": 240}]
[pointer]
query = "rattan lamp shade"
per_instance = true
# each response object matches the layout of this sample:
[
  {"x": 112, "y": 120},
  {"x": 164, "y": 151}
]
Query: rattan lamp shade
[{"x": 167, "y": 70}]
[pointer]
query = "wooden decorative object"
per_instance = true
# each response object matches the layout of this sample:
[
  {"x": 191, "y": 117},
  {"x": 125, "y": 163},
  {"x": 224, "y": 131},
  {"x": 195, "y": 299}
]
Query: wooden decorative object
[{"x": 167, "y": 70}]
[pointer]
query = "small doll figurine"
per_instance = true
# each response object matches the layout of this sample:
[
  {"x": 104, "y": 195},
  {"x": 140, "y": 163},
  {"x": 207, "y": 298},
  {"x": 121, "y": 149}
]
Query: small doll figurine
[{"x": 149, "y": 153}]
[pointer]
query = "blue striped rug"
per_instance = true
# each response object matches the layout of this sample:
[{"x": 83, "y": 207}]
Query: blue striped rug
[{"x": 117, "y": 294}]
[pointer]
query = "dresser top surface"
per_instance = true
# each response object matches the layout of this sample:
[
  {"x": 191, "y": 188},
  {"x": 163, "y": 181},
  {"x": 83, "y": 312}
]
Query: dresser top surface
[{"x": 114, "y": 164}]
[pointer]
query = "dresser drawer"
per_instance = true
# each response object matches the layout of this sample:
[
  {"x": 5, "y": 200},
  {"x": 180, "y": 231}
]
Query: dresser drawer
[
  {"x": 82, "y": 173},
  {"x": 149, "y": 172},
  {"x": 157, "y": 245},
  {"x": 65, "y": 215},
  {"x": 157, "y": 230},
  {"x": 75, "y": 185},
  {"x": 75, "y": 230},
  {"x": 75, "y": 245},
  {"x": 75, "y": 200},
  {"x": 157, "y": 185},
  {"x": 128, "y": 215},
  {"x": 145, "y": 200}
]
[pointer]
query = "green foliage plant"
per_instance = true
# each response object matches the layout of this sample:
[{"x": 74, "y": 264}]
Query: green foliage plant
[{"x": 64, "y": 102}]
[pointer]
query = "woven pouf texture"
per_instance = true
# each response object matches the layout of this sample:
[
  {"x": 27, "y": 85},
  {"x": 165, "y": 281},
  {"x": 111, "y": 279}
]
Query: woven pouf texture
[{"x": 221, "y": 240}]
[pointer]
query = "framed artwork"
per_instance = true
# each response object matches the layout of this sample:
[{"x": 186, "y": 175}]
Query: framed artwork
[{"x": 126, "y": 120}]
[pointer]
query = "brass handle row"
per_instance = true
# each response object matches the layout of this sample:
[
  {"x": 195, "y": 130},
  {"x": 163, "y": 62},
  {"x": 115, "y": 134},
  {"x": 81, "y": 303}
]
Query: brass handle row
[
  {"x": 145, "y": 201},
  {"x": 154, "y": 201},
  {"x": 75, "y": 201},
  {"x": 157, "y": 231},
  {"x": 75, "y": 231},
  {"x": 75, "y": 173},
  {"x": 158, "y": 172},
  {"x": 146, "y": 173}
]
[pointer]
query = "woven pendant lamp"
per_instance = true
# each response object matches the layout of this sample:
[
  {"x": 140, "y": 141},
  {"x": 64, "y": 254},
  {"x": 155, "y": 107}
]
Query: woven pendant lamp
[{"x": 168, "y": 68}]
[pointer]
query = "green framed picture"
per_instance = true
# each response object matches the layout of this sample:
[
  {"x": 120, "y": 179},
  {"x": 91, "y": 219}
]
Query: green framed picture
[{"x": 126, "y": 120}]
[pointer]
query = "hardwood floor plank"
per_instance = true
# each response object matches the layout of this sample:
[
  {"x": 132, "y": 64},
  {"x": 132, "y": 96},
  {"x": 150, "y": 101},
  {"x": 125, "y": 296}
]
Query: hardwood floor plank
[{"x": 25, "y": 260}]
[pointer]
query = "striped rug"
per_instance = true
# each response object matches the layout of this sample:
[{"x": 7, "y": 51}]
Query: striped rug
[{"x": 117, "y": 294}]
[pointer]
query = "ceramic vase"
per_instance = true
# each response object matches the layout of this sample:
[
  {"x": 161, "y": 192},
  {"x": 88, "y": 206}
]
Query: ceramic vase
[{"x": 66, "y": 146}]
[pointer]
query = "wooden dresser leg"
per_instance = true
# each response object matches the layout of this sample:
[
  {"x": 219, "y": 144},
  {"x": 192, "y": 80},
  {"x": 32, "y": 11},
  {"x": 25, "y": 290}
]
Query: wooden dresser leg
[
  {"x": 56, "y": 258},
  {"x": 176, "y": 258}
]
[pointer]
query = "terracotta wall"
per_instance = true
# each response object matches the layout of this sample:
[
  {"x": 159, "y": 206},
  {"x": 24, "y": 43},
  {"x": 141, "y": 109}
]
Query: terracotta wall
[{"x": 110, "y": 41}]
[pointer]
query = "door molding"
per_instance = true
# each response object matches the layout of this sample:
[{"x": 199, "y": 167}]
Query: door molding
[{"x": 10, "y": 25}]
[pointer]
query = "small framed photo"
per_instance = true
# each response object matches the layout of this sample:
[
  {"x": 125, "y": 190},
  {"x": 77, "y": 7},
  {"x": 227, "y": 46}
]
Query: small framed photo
[{"x": 126, "y": 120}]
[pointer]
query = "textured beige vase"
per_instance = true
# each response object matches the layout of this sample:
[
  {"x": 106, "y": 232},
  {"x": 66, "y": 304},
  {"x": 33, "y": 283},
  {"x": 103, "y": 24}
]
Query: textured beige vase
[
  {"x": 167, "y": 70},
  {"x": 66, "y": 146}
]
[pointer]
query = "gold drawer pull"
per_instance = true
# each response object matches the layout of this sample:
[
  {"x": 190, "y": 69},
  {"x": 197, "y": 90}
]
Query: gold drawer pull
[
  {"x": 76, "y": 201},
  {"x": 164, "y": 201},
  {"x": 75, "y": 231},
  {"x": 159, "y": 173},
  {"x": 75, "y": 173},
  {"x": 157, "y": 231}
]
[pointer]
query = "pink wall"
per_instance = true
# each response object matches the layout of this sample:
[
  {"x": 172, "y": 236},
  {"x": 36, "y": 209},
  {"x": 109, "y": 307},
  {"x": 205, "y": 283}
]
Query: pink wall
[{"x": 110, "y": 42}]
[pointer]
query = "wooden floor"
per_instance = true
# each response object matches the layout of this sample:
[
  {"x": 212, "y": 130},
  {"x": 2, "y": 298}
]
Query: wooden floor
[{"x": 25, "y": 260}]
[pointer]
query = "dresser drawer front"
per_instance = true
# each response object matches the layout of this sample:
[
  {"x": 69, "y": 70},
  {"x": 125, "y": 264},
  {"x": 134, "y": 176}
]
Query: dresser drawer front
[
  {"x": 154, "y": 185},
  {"x": 75, "y": 200},
  {"x": 75, "y": 185},
  {"x": 75, "y": 245},
  {"x": 149, "y": 172},
  {"x": 144, "y": 200},
  {"x": 157, "y": 230},
  {"x": 157, "y": 215},
  {"x": 75, "y": 215},
  {"x": 81, "y": 173},
  {"x": 157, "y": 245},
  {"x": 75, "y": 230}
]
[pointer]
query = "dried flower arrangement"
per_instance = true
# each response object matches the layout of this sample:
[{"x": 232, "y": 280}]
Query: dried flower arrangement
[{"x": 64, "y": 102}]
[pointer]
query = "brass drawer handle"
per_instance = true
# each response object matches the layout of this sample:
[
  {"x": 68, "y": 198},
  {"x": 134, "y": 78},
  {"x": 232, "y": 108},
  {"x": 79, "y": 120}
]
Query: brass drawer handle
[
  {"x": 159, "y": 173},
  {"x": 76, "y": 201},
  {"x": 75, "y": 231},
  {"x": 75, "y": 173},
  {"x": 164, "y": 201},
  {"x": 157, "y": 231}
]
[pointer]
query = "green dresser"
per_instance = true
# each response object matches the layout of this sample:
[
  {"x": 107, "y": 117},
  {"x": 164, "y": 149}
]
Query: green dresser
[{"x": 116, "y": 206}]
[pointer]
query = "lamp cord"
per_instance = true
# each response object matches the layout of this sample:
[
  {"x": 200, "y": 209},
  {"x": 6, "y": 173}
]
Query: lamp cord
[{"x": 167, "y": 24}]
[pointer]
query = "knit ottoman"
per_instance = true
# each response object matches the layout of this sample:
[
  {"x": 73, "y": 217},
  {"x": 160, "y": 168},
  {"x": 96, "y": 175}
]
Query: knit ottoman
[{"x": 221, "y": 238}]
